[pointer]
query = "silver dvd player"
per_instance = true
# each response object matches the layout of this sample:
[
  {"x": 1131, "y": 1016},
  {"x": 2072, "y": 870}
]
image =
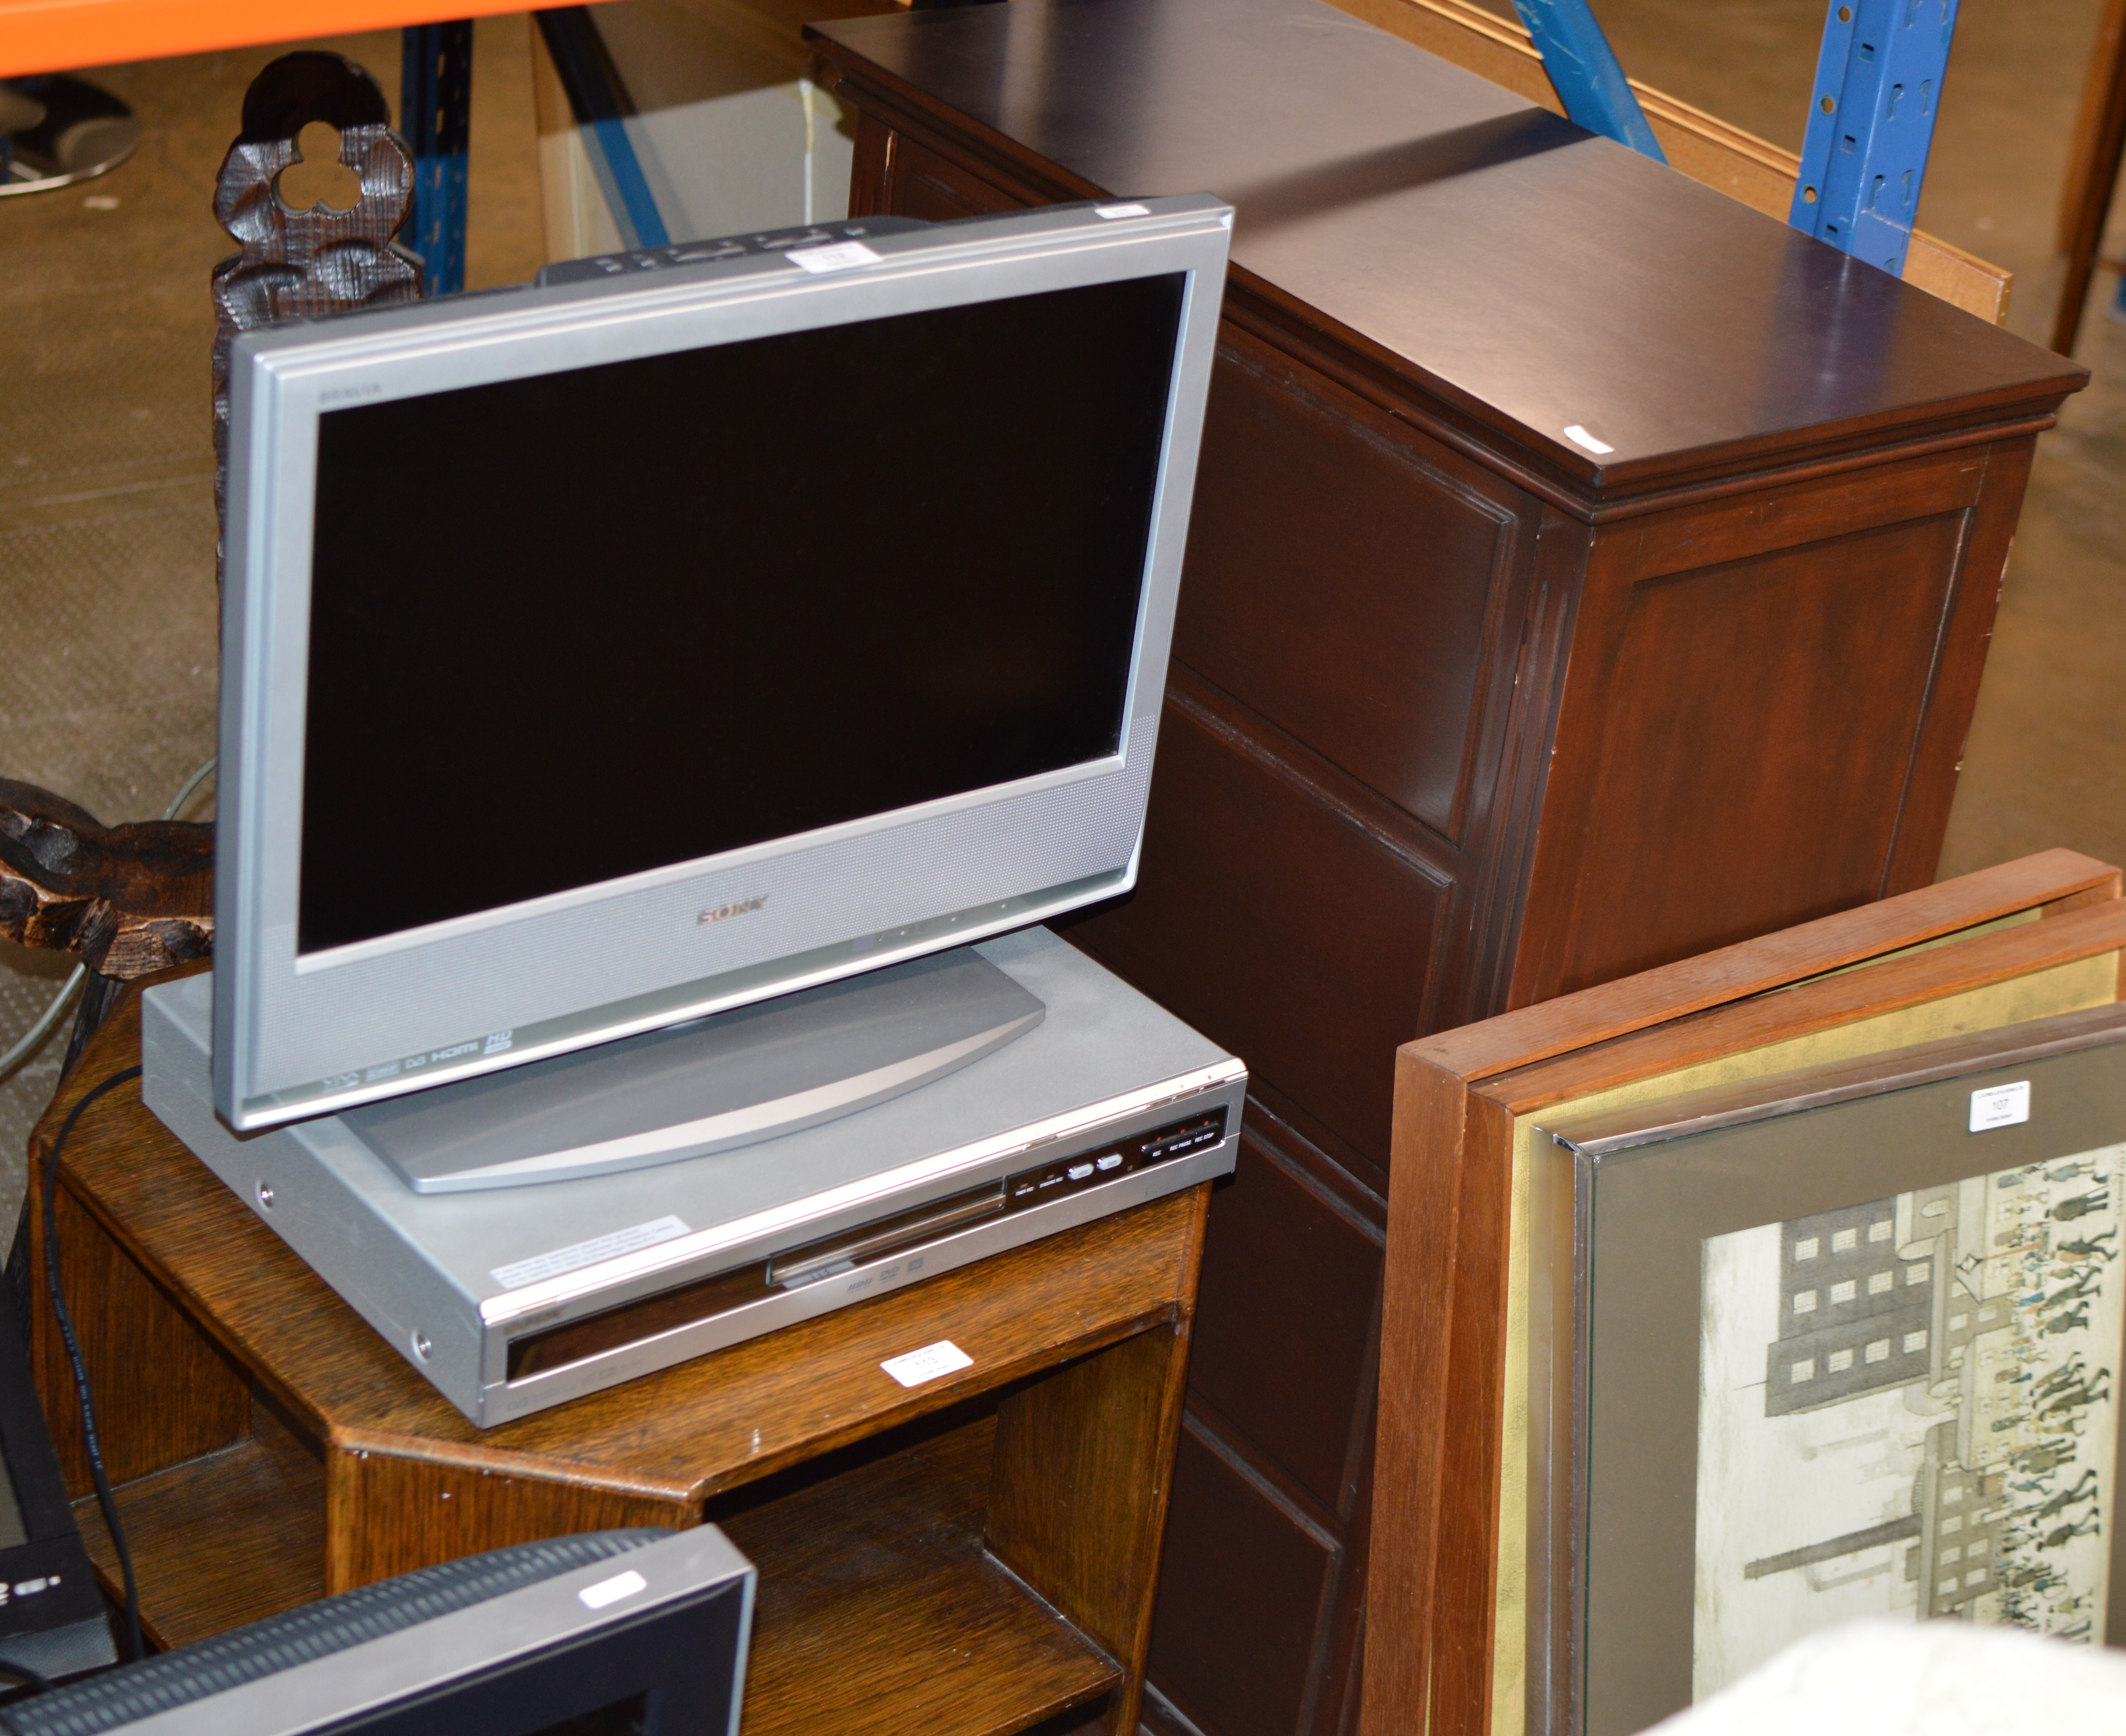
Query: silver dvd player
[{"x": 515, "y": 1298}]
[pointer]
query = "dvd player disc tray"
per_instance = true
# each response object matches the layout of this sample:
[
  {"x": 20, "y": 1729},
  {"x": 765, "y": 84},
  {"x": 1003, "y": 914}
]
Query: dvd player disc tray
[{"x": 517, "y": 1299}]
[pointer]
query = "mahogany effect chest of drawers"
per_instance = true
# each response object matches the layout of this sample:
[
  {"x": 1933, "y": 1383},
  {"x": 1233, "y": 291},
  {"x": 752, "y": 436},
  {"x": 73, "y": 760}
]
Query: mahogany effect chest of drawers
[{"x": 1586, "y": 571}]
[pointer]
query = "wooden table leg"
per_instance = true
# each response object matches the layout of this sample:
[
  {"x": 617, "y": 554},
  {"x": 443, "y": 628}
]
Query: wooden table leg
[
  {"x": 2100, "y": 140},
  {"x": 1071, "y": 1511}
]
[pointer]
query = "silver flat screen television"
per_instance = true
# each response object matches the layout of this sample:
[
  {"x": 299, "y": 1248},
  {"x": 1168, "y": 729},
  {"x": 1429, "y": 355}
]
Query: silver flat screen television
[{"x": 714, "y": 625}]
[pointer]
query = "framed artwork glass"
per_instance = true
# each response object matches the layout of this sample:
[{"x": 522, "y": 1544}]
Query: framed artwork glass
[
  {"x": 1476, "y": 1619},
  {"x": 1844, "y": 1341}
]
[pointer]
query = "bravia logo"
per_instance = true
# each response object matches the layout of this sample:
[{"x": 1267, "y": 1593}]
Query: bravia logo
[{"x": 724, "y": 912}]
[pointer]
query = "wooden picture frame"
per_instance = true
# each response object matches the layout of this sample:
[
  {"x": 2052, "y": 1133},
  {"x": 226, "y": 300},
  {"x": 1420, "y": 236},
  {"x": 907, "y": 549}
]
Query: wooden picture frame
[
  {"x": 1843, "y": 1345},
  {"x": 1456, "y": 1645}
]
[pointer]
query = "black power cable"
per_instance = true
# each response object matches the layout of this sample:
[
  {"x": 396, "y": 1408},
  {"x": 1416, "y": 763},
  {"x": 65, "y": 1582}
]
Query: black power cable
[{"x": 135, "y": 1649}]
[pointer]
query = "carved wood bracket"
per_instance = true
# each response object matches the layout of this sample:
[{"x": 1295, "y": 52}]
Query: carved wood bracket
[{"x": 129, "y": 899}]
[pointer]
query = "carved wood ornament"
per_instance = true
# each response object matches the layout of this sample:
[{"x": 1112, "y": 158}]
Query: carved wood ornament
[
  {"x": 302, "y": 264},
  {"x": 129, "y": 899}
]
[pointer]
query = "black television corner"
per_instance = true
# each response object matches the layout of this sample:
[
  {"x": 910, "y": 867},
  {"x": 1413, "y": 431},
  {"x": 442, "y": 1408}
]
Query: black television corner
[
  {"x": 627, "y": 1633},
  {"x": 53, "y": 1621}
]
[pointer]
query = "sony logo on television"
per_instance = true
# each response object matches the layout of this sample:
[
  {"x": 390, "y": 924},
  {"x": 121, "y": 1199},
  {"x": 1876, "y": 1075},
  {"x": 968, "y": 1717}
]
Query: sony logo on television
[
  {"x": 725, "y": 912},
  {"x": 341, "y": 394}
]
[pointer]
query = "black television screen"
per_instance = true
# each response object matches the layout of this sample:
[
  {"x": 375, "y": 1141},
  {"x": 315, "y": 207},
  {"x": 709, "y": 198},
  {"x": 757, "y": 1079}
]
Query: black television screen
[
  {"x": 641, "y": 1633},
  {"x": 622, "y": 616},
  {"x": 52, "y": 1617}
]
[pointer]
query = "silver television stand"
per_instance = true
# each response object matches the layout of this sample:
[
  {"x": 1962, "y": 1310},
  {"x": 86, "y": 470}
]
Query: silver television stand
[{"x": 710, "y": 1085}]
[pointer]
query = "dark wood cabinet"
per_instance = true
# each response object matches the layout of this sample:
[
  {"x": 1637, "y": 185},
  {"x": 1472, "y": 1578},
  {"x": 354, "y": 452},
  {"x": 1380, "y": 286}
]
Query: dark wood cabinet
[{"x": 1464, "y": 713}]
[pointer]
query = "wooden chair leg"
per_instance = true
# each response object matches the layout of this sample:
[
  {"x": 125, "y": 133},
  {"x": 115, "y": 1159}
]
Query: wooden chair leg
[{"x": 2092, "y": 172}]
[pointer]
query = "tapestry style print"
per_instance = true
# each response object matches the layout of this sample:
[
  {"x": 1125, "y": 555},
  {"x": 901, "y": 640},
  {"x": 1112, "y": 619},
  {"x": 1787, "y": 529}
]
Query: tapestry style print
[{"x": 1906, "y": 1408}]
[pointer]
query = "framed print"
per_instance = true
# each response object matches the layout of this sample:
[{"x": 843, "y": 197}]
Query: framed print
[
  {"x": 1470, "y": 1622},
  {"x": 1844, "y": 1344}
]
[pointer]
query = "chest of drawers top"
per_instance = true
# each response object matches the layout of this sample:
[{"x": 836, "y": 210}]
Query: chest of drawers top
[{"x": 1527, "y": 275}]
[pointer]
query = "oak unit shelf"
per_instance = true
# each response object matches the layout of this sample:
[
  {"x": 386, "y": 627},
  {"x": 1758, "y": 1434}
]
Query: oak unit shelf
[
  {"x": 219, "y": 1540},
  {"x": 973, "y": 1556},
  {"x": 913, "y": 1516}
]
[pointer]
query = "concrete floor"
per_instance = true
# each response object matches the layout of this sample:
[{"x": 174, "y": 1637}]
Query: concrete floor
[
  {"x": 106, "y": 519},
  {"x": 108, "y": 618}
]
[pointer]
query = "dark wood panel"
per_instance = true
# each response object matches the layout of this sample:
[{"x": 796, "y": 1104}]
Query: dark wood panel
[
  {"x": 1277, "y": 920},
  {"x": 1341, "y": 571},
  {"x": 1938, "y": 756},
  {"x": 1337, "y": 1165},
  {"x": 386, "y": 1514},
  {"x": 1238, "y": 1563},
  {"x": 874, "y": 145},
  {"x": 1689, "y": 538},
  {"x": 1286, "y": 1304},
  {"x": 1343, "y": 1669},
  {"x": 921, "y": 183},
  {"x": 1514, "y": 776},
  {"x": 168, "y": 1395},
  {"x": 1761, "y": 719}
]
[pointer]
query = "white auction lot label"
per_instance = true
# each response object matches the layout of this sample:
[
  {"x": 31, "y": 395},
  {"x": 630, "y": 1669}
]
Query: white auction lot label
[
  {"x": 611, "y": 1591},
  {"x": 2000, "y": 1105},
  {"x": 944, "y": 1357},
  {"x": 840, "y": 257}
]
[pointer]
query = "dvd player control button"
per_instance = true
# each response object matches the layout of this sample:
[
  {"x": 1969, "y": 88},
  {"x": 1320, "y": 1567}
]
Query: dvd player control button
[
  {"x": 1079, "y": 1171},
  {"x": 1112, "y": 1161}
]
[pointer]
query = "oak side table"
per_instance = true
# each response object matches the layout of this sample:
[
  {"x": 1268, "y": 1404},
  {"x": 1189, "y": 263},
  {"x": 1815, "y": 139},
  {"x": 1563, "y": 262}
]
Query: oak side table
[{"x": 972, "y": 1556}]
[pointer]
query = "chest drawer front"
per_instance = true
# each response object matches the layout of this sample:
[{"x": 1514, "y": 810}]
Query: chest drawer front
[
  {"x": 1277, "y": 920},
  {"x": 1343, "y": 577}
]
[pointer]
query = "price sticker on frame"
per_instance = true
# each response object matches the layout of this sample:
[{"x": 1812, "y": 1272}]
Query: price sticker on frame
[{"x": 2000, "y": 1105}]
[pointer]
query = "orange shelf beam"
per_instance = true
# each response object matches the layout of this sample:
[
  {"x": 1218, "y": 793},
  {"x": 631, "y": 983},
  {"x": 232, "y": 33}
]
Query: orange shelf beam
[{"x": 61, "y": 35}]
